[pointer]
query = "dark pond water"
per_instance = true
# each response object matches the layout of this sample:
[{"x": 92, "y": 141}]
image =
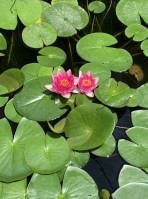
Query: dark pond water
[{"x": 104, "y": 171}]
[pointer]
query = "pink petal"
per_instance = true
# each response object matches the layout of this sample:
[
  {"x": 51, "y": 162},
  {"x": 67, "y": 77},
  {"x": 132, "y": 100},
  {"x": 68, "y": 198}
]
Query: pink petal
[
  {"x": 90, "y": 94},
  {"x": 76, "y": 90},
  {"x": 53, "y": 77},
  {"x": 80, "y": 73},
  {"x": 49, "y": 87},
  {"x": 66, "y": 95},
  {"x": 96, "y": 79},
  {"x": 59, "y": 72},
  {"x": 69, "y": 72},
  {"x": 76, "y": 79}
]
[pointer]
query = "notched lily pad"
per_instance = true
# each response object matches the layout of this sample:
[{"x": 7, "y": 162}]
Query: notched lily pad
[
  {"x": 144, "y": 47},
  {"x": 139, "y": 118},
  {"x": 144, "y": 90},
  {"x": 96, "y": 6}
]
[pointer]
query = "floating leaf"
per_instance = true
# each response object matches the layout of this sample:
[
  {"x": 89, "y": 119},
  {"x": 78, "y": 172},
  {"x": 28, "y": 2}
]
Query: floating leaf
[
  {"x": 96, "y": 6},
  {"x": 70, "y": 1},
  {"x": 47, "y": 155},
  {"x": 135, "y": 98},
  {"x": 82, "y": 98},
  {"x": 144, "y": 90},
  {"x": 139, "y": 118},
  {"x": 3, "y": 42},
  {"x": 11, "y": 113},
  {"x": 86, "y": 128},
  {"x": 35, "y": 102},
  {"x": 129, "y": 12},
  {"x": 45, "y": 4},
  {"x": 136, "y": 175},
  {"x": 144, "y": 47},
  {"x": 112, "y": 93},
  {"x": 3, "y": 100},
  {"x": 106, "y": 149},
  {"x": 38, "y": 34},
  {"x": 135, "y": 153},
  {"x": 97, "y": 70},
  {"x": 45, "y": 71},
  {"x": 58, "y": 127},
  {"x": 13, "y": 165},
  {"x": 137, "y": 31},
  {"x": 62, "y": 16},
  {"x": 51, "y": 56}
]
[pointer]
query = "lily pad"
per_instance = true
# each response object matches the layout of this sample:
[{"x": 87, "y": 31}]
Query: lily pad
[
  {"x": 136, "y": 175},
  {"x": 86, "y": 128},
  {"x": 135, "y": 98},
  {"x": 137, "y": 31},
  {"x": 45, "y": 71},
  {"x": 143, "y": 90},
  {"x": 144, "y": 47},
  {"x": 135, "y": 152},
  {"x": 11, "y": 113},
  {"x": 52, "y": 151},
  {"x": 3, "y": 100},
  {"x": 70, "y": 1},
  {"x": 51, "y": 56},
  {"x": 97, "y": 70},
  {"x": 96, "y": 6},
  {"x": 13, "y": 165},
  {"x": 35, "y": 102},
  {"x": 82, "y": 98},
  {"x": 62, "y": 16},
  {"x": 38, "y": 34},
  {"x": 112, "y": 93},
  {"x": 106, "y": 149},
  {"x": 3, "y": 42},
  {"x": 139, "y": 118},
  {"x": 27, "y": 11},
  {"x": 129, "y": 12}
]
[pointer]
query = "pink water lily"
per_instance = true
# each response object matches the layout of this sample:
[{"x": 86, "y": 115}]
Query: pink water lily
[
  {"x": 63, "y": 83},
  {"x": 87, "y": 83}
]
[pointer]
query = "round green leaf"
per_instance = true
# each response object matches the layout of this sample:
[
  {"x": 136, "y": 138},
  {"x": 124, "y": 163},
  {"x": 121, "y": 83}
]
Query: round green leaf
[
  {"x": 70, "y": 1},
  {"x": 52, "y": 151},
  {"x": 129, "y": 12},
  {"x": 3, "y": 42},
  {"x": 137, "y": 31},
  {"x": 132, "y": 190},
  {"x": 97, "y": 70},
  {"x": 45, "y": 71},
  {"x": 35, "y": 102},
  {"x": 11, "y": 113},
  {"x": 144, "y": 90},
  {"x": 51, "y": 56},
  {"x": 62, "y": 16},
  {"x": 139, "y": 118},
  {"x": 3, "y": 100},
  {"x": 144, "y": 47},
  {"x": 92, "y": 47},
  {"x": 82, "y": 98},
  {"x": 106, "y": 149},
  {"x": 96, "y": 6},
  {"x": 86, "y": 127},
  {"x": 135, "y": 153},
  {"x": 13, "y": 165},
  {"x": 112, "y": 93},
  {"x": 135, "y": 98},
  {"x": 38, "y": 34},
  {"x": 136, "y": 175}
]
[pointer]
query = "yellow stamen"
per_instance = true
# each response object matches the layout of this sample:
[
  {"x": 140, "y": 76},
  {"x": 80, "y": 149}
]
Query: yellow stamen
[
  {"x": 64, "y": 82},
  {"x": 86, "y": 82},
  {"x": 38, "y": 21}
]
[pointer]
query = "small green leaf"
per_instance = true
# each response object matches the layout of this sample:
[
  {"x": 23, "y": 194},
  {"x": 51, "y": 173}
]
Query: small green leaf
[
  {"x": 144, "y": 47},
  {"x": 139, "y": 118},
  {"x": 3, "y": 100},
  {"x": 143, "y": 90},
  {"x": 3, "y": 42},
  {"x": 96, "y": 6},
  {"x": 135, "y": 98}
]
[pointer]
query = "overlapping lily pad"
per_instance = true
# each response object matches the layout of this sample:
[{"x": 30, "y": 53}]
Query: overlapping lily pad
[
  {"x": 51, "y": 56},
  {"x": 62, "y": 16},
  {"x": 135, "y": 98},
  {"x": 13, "y": 165},
  {"x": 3, "y": 42},
  {"x": 96, "y": 6},
  {"x": 129, "y": 12},
  {"x": 47, "y": 154},
  {"x": 3, "y": 100},
  {"x": 144, "y": 90},
  {"x": 112, "y": 93},
  {"x": 139, "y": 118},
  {"x": 144, "y": 47},
  {"x": 135, "y": 152},
  {"x": 35, "y": 102},
  {"x": 70, "y": 1},
  {"x": 86, "y": 128},
  {"x": 39, "y": 34},
  {"x": 28, "y": 12}
]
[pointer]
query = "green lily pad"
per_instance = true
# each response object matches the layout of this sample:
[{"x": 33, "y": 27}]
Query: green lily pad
[
  {"x": 51, "y": 56},
  {"x": 27, "y": 11},
  {"x": 139, "y": 118},
  {"x": 55, "y": 70},
  {"x": 144, "y": 47},
  {"x": 13, "y": 165},
  {"x": 45, "y": 71},
  {"x": 136, "y": 175},
  {"x": 35, "y": 102},
  {"x": 137, "y": 31},
  {"x": 3, "y": 100},
  {"x": 132, "y": 190},
  {"x": 106, "y": 149},
  {"x": 112, "y": 93},
  {"x": 96, "y": 6},
  {"x": 92, "y": 47},
  {"x": 3, "y": 42},
  {"x": 62, "y": 16},
  {"x": 58, "y": 127},
  {"x": 135, "y": 98},
  {"x": 86, "y": 128},
  {"x": 97, "y": 70},
  {"x": 129, "y": 12},
  {"x": 11, "y": 113},
  {"x": 38, "y": 34},
  {"x": 52, "y": 151},
  {"x": 146, "y": 169},
  {"x": 70, "y": 1},
  {"x": 45, "y": 4},
  {"x": 143, "y": 90},
  {"x": 135, "y": 152},
  {"x": 82, "y": 98}
]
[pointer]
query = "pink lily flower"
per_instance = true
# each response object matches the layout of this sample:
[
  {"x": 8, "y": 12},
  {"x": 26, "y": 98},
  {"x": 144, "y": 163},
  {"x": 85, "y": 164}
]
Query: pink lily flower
[
  {"x": 87, "y": 83},
  {"x": 63, "y": 83}
]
